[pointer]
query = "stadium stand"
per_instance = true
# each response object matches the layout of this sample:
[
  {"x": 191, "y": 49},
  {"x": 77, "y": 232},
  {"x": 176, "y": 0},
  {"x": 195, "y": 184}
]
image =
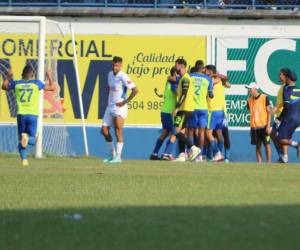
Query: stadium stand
[{"x": 206, "y": 4}]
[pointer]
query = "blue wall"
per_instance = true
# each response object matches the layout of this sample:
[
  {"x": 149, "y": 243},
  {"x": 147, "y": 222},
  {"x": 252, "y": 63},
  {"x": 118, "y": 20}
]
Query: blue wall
[{"x": 139, "y": 143}]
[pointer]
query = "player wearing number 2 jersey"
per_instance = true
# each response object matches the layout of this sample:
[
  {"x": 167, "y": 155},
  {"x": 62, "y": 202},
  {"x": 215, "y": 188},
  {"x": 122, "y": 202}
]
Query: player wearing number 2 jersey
[
  {"x": 27, "y": 98},
  {"x": 203, "y": 89}
]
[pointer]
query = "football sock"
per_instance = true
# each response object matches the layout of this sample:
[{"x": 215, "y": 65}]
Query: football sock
[
  {"x": 181, "y": 137},
  {"x": 181, "y": 147},
  {"x": 227, "y": 153},
  {"x": 209, "y": 152},
  {"x": 170, "y": 148},
  {"x": 191, "y": 138},
  {"x": 111, "y": 148},
  {"x": 119, "y": 149},
  {"x": 159, "y": 143},
  {"x": 221, "y": 145},
  {"x": 31, "y": 140},
  {"x": 214, "y": 147},
  {"x": 22, "y": 152},
  {"x": 285, "y": 158}
]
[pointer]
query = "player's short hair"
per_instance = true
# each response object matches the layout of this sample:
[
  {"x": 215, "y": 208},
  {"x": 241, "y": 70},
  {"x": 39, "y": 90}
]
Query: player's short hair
[
  {"x": 27, "y": 71},
  {"x": 199, "y": 64},
  {"x": 287, "y": 73},
  {"x": 173, "y": 71},
  {"x": 117, "y": 59},
  {"x": 193, "y": 69},
  {"x": 294, "y": 77},
  {"x": 181, "y": 61},
  {"x": 212, "y": 68}
]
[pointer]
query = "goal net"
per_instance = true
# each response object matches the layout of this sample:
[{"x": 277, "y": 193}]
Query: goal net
[{"x": 34, "y": 42}]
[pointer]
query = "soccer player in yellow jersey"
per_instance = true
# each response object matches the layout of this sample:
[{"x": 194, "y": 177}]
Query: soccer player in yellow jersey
[
  {"x": 183, "y": 111},
  {"x": 216, "y": 114},
  {"x": 170, "y": 100},
  {"x": 27, "y": 92},
  {"x": 203, "y": 85}
]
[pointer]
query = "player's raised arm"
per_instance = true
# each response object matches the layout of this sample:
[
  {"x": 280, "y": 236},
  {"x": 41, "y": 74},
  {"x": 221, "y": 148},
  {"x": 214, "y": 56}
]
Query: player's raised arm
[{"x": 7, "y": 80}]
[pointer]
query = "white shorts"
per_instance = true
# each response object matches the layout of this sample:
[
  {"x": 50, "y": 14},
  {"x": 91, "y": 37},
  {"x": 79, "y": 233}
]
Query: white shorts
[{"x": 111, "y": 113}]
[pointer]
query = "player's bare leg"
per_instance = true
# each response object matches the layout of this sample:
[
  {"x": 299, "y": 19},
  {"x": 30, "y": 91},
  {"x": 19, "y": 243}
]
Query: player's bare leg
[
  {"x": 258, "y": 154},
  {"x": 268, "y": 153},
  {"x": 105, "y": 131}
]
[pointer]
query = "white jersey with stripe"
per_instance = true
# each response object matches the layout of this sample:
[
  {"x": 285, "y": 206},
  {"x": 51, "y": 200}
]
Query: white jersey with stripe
[{"x": 118, "y": 85}]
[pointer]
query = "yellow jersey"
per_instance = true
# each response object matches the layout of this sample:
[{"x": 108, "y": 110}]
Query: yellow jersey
[
  {"x": 279, "y": 101},
  {"x": 188, "y": 104},
  {"x": 218, "y": 101}
]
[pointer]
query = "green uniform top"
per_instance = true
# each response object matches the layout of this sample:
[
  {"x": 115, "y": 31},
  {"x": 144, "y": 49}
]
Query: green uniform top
[
  {"x": 202, "y": 84},
  {"x": 27, "y": 95},
  {"x": 186, "y": 92},
  {"x": 170, "y": 98}
]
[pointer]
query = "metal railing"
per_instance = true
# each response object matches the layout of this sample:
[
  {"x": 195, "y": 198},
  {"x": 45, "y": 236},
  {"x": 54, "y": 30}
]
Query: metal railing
[{"x": 199, "y": 4}]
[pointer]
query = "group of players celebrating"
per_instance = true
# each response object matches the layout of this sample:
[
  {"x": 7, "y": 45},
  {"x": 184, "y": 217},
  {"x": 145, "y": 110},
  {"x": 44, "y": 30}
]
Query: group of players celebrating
[{"x": 193, "y": 113}]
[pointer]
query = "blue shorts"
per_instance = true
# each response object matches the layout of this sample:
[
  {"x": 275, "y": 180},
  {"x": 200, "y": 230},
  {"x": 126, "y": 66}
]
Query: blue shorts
[
  {"x": 286, "y": 129},
  {"x": 216, "y": 119},
  {"x": 199, "y": 119},
  {"x": 27, "y": 124},
  {"x": 166, "y": 121}
]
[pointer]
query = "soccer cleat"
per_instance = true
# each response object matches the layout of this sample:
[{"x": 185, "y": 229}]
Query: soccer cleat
[
  {"x": 181, "y": 158},
  {"x": 115, "y": 160},
  {"x": 154, "y": 157},
  {"x": 194, "y": 152},
  {"x": 218, "y": 157},
  {"x": 285, "y": 159},
  {"x": 24, "y": 140},
  {"x": 226, "y": 161},
  {"x": 25, "y": 163},
  {"x": 108, "y": 158},
  {"x": 199, "y": 158},
  {"x": 167, "y": 157},
  {"x": 298, "y": 149}
]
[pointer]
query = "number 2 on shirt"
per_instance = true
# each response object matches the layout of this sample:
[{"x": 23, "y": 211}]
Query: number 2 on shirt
[
  {"x": 26, "y": 95},
  {"x": 197, "y": 90}
]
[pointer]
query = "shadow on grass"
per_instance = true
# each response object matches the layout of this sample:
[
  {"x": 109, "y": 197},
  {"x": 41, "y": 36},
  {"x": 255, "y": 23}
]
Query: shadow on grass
[{"x": 143, "y": 228}]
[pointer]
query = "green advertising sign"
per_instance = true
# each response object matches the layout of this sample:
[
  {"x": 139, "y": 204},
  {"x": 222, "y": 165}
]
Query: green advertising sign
[{"x": 247, "y": 60}]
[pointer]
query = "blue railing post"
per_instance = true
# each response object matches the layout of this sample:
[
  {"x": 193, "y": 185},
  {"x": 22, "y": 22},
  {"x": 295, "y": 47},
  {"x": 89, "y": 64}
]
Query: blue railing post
[
  {"x": 9, "y": 3},
  {"x": 155, "y": 4},
  {"x": 253, "y": 4},
  {"x": 105, "y": 3},
  {"x": 205, "y": 4},
  {"x": 58, "y": 3}
]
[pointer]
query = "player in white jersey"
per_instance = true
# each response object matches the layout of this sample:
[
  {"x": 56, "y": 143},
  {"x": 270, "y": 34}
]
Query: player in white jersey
[{"x": 116, "y": 110}]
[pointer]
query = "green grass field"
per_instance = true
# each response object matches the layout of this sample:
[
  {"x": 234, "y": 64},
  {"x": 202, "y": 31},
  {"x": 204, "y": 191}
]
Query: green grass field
[{"x": 148, "y": 205}]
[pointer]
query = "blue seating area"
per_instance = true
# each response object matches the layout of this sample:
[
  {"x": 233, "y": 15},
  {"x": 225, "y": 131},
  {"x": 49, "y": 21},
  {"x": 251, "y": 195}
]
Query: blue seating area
[{"x": 200, "y": 4}]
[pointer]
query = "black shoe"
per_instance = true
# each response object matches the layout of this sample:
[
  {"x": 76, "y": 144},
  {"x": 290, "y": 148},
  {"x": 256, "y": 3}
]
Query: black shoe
[
  {"x": 279, "y": 160},
  {"x": 154, "y": 157}
]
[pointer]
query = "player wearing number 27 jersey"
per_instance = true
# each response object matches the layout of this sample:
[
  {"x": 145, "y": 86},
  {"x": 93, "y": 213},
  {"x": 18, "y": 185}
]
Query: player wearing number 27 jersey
[{"x": 27, "y": 99}]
